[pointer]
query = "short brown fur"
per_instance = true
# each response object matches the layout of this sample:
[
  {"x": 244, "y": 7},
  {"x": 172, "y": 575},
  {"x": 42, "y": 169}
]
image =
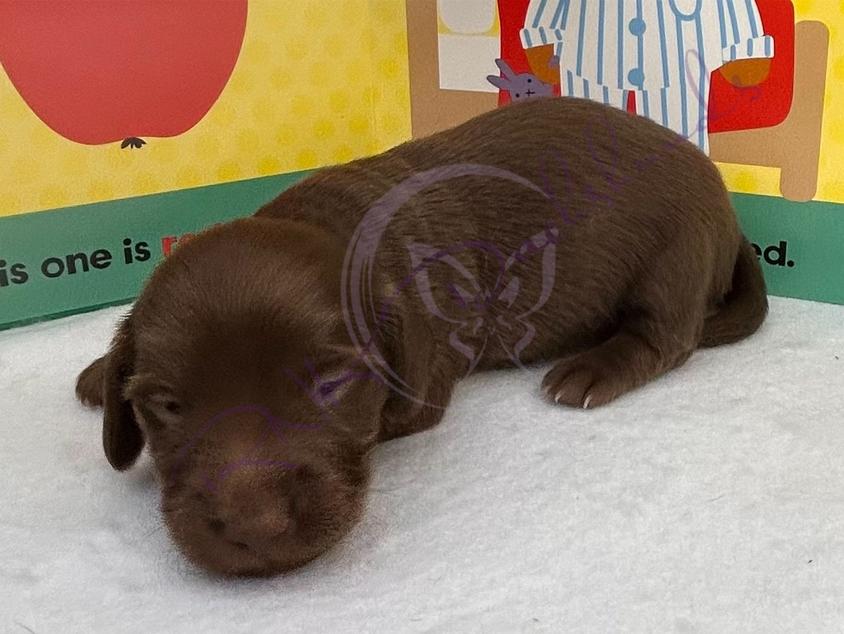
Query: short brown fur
[{"x": 217, "y": 366}]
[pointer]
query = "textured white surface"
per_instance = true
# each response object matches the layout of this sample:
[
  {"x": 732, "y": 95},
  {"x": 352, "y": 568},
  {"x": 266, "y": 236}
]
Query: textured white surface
[{"x": 709, "y": 501}]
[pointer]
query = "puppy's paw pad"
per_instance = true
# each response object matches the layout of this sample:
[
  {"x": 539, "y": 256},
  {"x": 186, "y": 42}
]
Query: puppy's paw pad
[
  {"x": 568, "y": 385},
  {"x": 89, "y": 385},
  {"x": 579, "y": 383}
]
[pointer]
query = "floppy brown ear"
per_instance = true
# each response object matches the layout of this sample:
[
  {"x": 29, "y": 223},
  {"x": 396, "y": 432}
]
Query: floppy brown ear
[
  {"x": 89, "y": 384},
  {"x": 122, "y": 437}
]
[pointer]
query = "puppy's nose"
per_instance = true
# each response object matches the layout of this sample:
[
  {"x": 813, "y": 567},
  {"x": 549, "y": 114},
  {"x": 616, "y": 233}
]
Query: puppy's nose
[
  {"x": 257, "y": 528},
  {"x": 255, "y": 510}
]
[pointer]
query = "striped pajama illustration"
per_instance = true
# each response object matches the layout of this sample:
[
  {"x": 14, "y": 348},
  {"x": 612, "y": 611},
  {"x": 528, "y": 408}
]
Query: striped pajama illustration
[{"x": 664, "y": 51}]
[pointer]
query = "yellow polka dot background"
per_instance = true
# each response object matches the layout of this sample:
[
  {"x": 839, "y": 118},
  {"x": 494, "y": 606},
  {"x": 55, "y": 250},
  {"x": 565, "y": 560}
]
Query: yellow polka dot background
[
  {"x": 766, "y": 180},
  {"x": 317, "y": 82}
]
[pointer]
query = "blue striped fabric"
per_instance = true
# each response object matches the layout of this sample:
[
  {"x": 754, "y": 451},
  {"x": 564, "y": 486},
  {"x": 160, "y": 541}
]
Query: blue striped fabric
[{"x": 663, "y": 50}]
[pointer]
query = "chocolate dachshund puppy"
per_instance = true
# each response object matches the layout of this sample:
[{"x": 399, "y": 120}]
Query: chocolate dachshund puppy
[{"x": 266, "y": 357}]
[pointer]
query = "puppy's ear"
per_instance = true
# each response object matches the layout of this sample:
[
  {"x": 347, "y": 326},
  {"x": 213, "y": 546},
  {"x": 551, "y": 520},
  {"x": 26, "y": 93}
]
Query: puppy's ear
[
  {"x": 122, "y": 437},
  {"x": 89, "y": 385}
]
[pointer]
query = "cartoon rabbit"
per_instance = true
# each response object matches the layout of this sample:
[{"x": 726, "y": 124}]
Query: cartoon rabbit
[{"x": 522, "y": 85}]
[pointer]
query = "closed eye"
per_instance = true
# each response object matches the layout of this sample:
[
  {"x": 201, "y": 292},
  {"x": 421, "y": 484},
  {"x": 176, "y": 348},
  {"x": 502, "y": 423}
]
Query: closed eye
[
  {"x": 164, "y": 408},
  {"x": 329, "y": 390},
  {"x": 158, "y": 401}
]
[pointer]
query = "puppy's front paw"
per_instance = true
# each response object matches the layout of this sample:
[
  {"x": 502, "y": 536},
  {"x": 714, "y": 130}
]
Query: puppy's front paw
[
  {"x": 583, "y": 381},
  {"x": 89, "y": 385}
]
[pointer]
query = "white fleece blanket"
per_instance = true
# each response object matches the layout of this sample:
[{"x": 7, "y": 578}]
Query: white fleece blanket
[{"x": 710, "y": 501}]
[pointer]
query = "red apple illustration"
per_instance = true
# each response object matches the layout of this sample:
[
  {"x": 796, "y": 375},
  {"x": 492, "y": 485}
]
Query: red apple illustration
[{"x": 99, "y": 71}]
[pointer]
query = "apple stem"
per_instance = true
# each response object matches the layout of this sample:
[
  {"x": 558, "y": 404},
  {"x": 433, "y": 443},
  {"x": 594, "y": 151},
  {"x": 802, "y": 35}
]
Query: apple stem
[{"x": 132, "y": 142}]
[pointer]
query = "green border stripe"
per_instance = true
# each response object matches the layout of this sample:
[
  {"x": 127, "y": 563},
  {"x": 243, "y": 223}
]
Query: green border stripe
[
  {"x": 802, "y": 243},
  {"x": 31, "y": 238},
  {"x": 805, "y": 258}
]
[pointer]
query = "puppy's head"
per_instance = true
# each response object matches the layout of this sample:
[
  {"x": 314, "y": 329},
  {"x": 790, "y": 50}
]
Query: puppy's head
[{"x": 235, "y": 369}]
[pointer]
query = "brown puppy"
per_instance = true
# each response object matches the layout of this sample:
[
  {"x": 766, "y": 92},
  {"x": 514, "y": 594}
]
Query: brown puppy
[{"x": 266, "y": 357}]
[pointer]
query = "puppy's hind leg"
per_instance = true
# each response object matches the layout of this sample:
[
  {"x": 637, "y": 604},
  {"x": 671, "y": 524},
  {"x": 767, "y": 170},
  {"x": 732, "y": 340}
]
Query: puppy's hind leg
[
  {"x": 89, "y": 385},
  {"x": 660, "y": 326}
]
